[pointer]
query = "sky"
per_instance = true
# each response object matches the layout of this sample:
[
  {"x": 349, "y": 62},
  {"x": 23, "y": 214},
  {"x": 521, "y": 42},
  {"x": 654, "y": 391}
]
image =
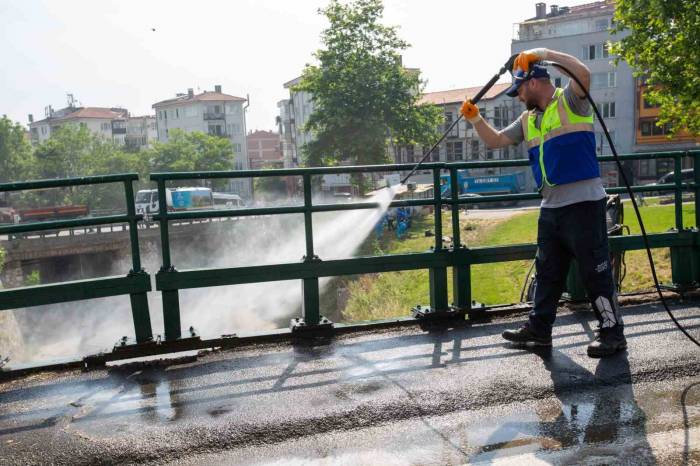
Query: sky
[{"x": 132, "y": 54}]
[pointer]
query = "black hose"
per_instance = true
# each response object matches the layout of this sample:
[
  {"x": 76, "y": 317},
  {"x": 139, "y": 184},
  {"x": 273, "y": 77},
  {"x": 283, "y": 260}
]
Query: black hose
[{"x": 631, "y": 195}]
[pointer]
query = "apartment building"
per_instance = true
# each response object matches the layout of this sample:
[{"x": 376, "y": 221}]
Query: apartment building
[
  {"x": 211, "y": 112},
  {"x": 463, "y": 143},
  {"x": 141, "y": 131},
  {"x": 584, "y": 32},
  {"x": 650, "y": 137},
  {"x": 109, "y": 123},
  {"x": 297, "y": 110},
  {"x": 286, "y": 129},
  {"x": 264, "y": 150}
]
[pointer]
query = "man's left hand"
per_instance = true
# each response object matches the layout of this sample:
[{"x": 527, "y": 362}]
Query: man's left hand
[{"x": 525, "y": 59}]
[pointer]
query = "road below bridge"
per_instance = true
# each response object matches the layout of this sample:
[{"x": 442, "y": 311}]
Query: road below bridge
[{"x": 391, "y": 397}]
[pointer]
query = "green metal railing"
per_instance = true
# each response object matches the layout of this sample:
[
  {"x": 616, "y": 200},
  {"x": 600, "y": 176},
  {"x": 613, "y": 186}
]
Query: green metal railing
[
  {"x": 137, "y": 282},
  {"x": 683, "y": 242}
]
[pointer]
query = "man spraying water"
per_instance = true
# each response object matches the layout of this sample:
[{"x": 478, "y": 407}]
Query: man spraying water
[{"x": 558, "y": 130}]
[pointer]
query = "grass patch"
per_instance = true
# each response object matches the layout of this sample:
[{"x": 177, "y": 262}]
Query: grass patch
[{"x": 386, "y": 295}]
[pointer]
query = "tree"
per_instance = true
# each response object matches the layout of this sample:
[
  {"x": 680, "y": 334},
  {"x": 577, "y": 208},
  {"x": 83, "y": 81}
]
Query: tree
[
  {"x": 16, "y": 156},
  {"x": 664, "y": 47},
  {"x": 362, "y": 95},
  {"x": 195, "y": 151},
  {"x": 74, "y": 151}
]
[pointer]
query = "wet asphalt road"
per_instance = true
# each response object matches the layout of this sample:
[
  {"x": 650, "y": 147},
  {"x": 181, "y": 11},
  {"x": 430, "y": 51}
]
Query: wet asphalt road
[{"x": 392, "y": 397}]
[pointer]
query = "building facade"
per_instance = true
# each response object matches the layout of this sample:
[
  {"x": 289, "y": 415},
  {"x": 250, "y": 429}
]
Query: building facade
[
  {"x": 109, "y": 123},
  {"x": 112, "y": 124},
  {"x": 264, "y": 150},
  {"x": 286, "y": 129},
  {"x": 649, "y": 137},
  {"x": 141, "y": 131},
  {"x": 213, "y": 113}
]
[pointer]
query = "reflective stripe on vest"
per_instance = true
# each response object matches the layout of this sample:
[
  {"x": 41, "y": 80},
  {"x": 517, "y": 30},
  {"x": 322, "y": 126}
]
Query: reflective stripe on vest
[{"x": 570, "y": 143}]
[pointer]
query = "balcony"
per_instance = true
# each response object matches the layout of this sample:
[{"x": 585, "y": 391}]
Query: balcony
[{"x": 214, "y": 116}]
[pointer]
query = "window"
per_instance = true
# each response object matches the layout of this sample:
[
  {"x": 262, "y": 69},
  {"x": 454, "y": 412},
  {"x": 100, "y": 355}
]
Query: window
[
  {"x": 505, "y": 153},
  {"x": 489, "y": 155},
  {"x": 216, "y": 130},
  {"x": 648, "y": 104},
  {"x": 603, "y": 80},
  {"x": 410, "y": 155},
  {"x": 601, "y": 24},
  {"x": 459, "y": 154},
  {"x": 608, "y": 109},
  {"x": 500, "y": 117},
  {"x": 160, "y": 115},
  {"x": 650, "y": 128},
  {"x": 475, "y": 150},
  {"x": 595, "y": 51},
  {"x": 106, "y": 127},
  {"x": 237, "y": 148},
  {"x": 454, "y": 151},
  {"x": 177, "y": 113}
]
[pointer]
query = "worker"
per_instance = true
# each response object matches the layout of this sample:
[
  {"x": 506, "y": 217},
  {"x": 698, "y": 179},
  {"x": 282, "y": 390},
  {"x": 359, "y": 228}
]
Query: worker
[{"x": 557, "y": 128}]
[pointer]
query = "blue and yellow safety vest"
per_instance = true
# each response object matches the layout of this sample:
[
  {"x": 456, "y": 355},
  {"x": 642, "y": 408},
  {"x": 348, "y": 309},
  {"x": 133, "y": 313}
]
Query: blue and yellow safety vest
[{"x": 562, "y": 149}]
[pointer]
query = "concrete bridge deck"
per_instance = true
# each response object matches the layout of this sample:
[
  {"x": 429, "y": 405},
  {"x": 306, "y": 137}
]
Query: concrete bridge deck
[{"x": 390, "y": 397}]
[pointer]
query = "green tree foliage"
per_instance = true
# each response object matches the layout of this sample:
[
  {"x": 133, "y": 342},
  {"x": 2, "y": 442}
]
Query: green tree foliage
[
  {"x": 195, "y": 151},
  {"x": 74, "y": 151},
  {"x": 664, "y": 46},
  {"x": 362, "y": 95},
  {"x": 16, "y": 156}
]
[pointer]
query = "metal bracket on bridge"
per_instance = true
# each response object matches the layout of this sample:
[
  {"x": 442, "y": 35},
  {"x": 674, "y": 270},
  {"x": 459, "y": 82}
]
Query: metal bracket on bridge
[
  {"x": 425, "y": 313},
  {"x": 300, "y": 328}
]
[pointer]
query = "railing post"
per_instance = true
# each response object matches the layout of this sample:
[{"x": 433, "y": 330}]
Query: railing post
[
  {"x": 678, "y": 180},
  {"x": 438, "y": 275},
  {"x": 684, "y": 259},
  {"x": 461, "y": 274},
  {"x": 139, "y": 301},
  {"x": 310, "y": 292},
  {"x": 171, "y": 298}
]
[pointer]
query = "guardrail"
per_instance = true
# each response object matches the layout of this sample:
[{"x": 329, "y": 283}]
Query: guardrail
[
  {"x": 169, "y": 280},
  {"x": 683, "y": 242},
  {"x": 136, "y": 283}
]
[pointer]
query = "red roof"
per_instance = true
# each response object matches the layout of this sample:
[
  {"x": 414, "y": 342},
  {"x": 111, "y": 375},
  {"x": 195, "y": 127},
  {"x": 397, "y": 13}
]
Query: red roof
[
  {"x": 88, "y": 112},
  {"x": 204, "y": 96},
  {"x": 460, "y": 95}
]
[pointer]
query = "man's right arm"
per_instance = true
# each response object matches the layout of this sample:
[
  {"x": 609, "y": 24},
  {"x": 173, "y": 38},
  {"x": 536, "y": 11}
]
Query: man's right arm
[{"x": 494, "y": 139}]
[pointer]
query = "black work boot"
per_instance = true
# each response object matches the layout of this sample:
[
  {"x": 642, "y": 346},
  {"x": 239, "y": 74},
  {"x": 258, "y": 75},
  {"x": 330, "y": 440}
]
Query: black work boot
[
  {"x": 525, "y": 336},
  {"x": 608, "y": 341}
]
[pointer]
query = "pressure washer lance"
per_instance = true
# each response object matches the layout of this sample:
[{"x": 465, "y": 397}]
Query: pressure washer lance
[{"x": 508, "y": 66}]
